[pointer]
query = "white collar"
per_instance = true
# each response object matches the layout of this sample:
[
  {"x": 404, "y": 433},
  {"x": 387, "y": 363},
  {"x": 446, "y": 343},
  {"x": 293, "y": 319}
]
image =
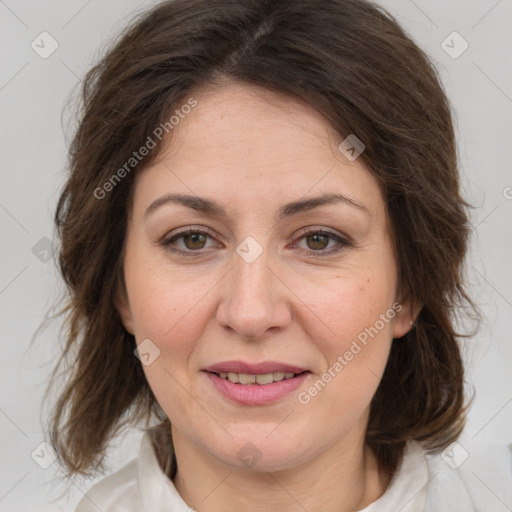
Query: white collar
[
  {"x": 407, "y": 491},
  {"x": 157, "y": 490}
]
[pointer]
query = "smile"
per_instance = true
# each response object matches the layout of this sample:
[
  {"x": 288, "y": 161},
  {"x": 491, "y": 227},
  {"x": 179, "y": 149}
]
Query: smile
[{"x": 262, "y": 379}]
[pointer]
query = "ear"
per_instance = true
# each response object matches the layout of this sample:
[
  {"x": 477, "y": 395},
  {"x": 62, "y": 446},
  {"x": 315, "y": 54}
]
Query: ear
[
  {"x": 407, "y": 312},
  {"x": 122, "y": 305}
]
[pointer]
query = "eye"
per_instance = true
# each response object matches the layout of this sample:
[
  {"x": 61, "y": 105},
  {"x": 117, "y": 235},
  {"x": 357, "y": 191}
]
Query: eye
[
  {"x": 322, "y": 243},
  {"x": 187, "y": 241},
  {"x": 192, "y": 241}
]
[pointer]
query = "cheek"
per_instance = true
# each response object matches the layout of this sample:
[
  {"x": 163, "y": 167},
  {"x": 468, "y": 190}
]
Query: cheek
[
  {"x": 172, "y": 313},
  {"x": 162, "y": 299},
  {"x": 172, "y": 308},
  {"x": 361, "y": 315},
  {"x": 351, "y": 322},
  {"x": 343, "y": 310}
]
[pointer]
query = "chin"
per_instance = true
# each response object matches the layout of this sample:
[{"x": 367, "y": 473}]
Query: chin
[{"x": 259, "y": 453}]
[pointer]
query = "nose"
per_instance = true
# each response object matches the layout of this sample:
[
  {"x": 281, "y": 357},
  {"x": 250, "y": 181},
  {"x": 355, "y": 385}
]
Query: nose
[{"x": 254, "y": 302}]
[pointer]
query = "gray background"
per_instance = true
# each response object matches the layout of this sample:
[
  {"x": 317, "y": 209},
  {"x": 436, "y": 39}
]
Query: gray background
[{"x": 34, "y": 137}]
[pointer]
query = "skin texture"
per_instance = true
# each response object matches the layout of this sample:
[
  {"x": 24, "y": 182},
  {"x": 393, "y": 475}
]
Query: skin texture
[{"x": 252, "y": 151}]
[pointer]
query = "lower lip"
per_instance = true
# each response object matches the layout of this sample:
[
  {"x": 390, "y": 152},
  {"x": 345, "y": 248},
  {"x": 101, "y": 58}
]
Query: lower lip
[{"x": 256, "y": 394}]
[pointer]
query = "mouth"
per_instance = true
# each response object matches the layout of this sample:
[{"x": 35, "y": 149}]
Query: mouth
[
  {"x": 262, "y": 379},
  {"x": 255, "y": 384},
  {"x": 263, "y": 368},
  {"x": 246, "y": 379}
]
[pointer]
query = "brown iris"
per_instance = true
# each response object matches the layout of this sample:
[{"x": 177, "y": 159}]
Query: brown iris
[
  {"x": 194, "y": 240},
  {"x": 319, "y": 241}
]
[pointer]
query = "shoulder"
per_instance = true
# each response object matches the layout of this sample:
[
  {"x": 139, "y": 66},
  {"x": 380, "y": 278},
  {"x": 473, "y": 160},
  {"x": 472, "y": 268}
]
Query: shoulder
[
  {"x": 140, "y": 485},
  {"x": 470, "y": 476},
  {"x": 118, "y": 492},
  {"x": 467, "y": 476}
]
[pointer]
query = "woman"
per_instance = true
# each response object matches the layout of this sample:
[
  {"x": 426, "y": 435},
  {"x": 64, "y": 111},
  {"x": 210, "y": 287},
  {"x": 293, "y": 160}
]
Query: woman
[{"x": 263, "y": 237}]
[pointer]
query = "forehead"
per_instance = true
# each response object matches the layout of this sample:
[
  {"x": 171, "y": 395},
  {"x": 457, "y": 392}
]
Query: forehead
[
  {"x": 248, "y": 145},
  {"x": 248, "y": 127}
]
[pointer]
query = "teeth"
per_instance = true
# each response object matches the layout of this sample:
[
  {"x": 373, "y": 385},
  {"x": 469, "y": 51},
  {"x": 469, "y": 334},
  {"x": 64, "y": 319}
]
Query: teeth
[
  {"x": 233, "y": 377},
  {"x": 246, "y": 379},
  {"x": 266, "y": 378}
]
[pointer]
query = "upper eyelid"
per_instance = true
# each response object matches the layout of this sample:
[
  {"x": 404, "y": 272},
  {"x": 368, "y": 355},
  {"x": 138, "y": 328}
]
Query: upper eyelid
[{"x": 190, "y": 230}]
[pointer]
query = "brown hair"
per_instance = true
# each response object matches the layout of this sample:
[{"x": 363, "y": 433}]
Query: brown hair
[{"x": 353, "y": 63}]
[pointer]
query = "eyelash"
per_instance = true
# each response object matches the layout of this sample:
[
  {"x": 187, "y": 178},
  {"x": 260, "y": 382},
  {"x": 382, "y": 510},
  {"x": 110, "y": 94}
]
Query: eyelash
[{"x": 342, "y": 242}]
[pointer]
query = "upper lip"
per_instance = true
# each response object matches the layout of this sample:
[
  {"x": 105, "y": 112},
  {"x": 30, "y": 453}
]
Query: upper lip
[{"x": 253, "y": 368}]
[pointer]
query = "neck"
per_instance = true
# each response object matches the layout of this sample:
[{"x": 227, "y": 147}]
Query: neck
[{"x": 344, "y": 478}]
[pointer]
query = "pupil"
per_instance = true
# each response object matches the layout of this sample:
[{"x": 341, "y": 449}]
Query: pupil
[
  {"x": 318, "y": 239},
  {"x": 195, "y": 238}
]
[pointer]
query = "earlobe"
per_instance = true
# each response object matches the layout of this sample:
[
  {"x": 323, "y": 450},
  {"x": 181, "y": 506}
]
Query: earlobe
[{"x": 405, "y": 318}]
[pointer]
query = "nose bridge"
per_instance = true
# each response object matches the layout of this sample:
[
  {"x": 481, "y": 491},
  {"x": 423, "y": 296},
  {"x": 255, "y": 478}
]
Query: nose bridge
[
  {"x": 251, "y": 278},
  {"x": 253, "y": 302}
]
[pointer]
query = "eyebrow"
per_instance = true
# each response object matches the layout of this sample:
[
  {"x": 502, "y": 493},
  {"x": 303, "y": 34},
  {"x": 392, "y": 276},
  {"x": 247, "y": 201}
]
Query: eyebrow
[{"x": 211, "y": 208}]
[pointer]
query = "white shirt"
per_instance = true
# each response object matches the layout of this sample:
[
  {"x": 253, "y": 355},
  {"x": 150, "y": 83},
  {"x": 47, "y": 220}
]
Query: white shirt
[{"x": 466, "y": 477}]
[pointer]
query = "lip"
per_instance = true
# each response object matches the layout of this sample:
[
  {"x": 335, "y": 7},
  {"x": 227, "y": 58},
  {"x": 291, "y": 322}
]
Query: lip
[
  {"x": 253, "y": 368},
  {"x": 256, "y": 394}
]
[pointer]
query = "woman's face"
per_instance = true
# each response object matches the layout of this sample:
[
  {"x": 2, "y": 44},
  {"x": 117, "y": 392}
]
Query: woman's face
[{"x": 250, "y": 274}]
